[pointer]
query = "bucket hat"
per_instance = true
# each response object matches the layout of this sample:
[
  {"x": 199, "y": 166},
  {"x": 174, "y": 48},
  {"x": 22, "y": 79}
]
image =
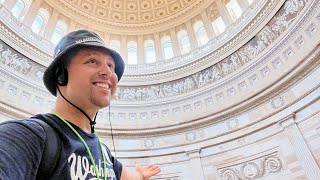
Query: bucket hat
[{"x": 71, "y": 40}]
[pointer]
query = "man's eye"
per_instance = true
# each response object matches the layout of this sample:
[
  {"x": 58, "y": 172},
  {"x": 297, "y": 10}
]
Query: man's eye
[{"x": 92, "y": 61}]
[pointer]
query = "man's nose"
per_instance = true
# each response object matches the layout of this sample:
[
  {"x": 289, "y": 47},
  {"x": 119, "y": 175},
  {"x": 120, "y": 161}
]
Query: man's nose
[{"x": 105, "y": 70}]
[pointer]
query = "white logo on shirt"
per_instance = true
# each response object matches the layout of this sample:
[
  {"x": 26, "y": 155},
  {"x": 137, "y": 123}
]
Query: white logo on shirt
[{"x": 82, "y": 169}]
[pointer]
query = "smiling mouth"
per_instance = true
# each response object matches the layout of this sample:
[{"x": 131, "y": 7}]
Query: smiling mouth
[{"x": 102, "y": 85}]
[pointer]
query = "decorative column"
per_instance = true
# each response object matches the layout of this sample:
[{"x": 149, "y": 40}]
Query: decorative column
[
  {"x": 208, "y": 25},
  {"x": 175, "y": 43},
  {"x": 51, "y": 24},
  {"x": 191, "y": 35},
  {"x": 158, "y": 47},
  {"x": 300, "y": 147},
  {"x": 224, "y": 14},
  {"x": 195, "y": 163},
  {"x": 32, "y": 13},
  {"x": 124, "y": 49},
  {"x": 141, "y": 58}
]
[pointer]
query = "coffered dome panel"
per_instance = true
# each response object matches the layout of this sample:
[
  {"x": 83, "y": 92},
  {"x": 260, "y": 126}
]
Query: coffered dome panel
[{"x": 133, "y": 13}]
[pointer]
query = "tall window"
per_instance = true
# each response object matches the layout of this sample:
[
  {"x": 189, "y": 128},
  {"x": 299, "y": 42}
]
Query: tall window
[
  {"x": 40, "y": 21},
  {"x": 149, "y": 51},
  {"x": 167, "y": 47},
  {"x": 59, "y": 31},
  {"x": 18, "y": 8},
  {"x": 132, "y": 52},
  {"x": 115, "y": 45},
  {"x": 234, "y": 9},
  {"x": 218, "y": 26},
  {"x": 184, "y": 41},
  {"x": 201, "y": 33}
]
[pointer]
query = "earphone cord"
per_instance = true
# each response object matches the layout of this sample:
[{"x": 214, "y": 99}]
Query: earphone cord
[
  {"x": 92, "y": 123},
  {"x": 114, "y": 148}
]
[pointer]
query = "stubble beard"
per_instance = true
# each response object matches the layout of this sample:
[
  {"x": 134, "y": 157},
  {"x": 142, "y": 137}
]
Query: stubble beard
[{"x": 99, "y": 103}]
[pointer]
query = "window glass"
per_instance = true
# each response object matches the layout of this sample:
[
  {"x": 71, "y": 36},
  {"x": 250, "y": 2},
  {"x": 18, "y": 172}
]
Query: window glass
[
  {"x": 59, "y": 31},
  {"x": 37, "y": 24},
  {"x": 18, "y": 8},
  {"x": 218, "y": 26},
  {"x": 184, "y": 41},
  {"x": 132, "y": 53},
  {"x": 234, "y": 9},
  {"x": 149, "y": 51},
  {"x": 167, "y": 47},
  {"x": 201, "y": 33},
  {"x": 115, "y": 45}
]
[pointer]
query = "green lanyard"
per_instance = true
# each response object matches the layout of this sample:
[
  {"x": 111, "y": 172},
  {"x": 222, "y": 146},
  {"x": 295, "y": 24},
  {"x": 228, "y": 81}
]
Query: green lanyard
[{"x": 87, "y": 148}]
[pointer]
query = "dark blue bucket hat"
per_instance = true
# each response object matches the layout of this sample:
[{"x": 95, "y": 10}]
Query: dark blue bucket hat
[{"x": 71, "y": 40}]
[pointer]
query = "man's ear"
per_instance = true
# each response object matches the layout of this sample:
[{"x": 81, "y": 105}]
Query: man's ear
[{"x": 62, "y": 76}]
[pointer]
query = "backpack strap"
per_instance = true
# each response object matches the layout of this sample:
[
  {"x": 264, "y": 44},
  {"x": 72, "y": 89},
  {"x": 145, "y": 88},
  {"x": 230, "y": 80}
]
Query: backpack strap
[{"x": 52, "y": 148}]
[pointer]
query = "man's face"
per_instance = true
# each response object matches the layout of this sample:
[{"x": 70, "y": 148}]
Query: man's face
[{"x": 92, "y": 80}]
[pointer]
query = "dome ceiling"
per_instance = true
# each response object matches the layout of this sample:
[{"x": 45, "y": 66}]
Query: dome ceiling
[{"x": 133, "y": 14}]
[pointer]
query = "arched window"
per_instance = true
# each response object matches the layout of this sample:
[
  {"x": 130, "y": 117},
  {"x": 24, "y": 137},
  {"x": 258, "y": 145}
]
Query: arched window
[
  {"x": 18, "y": 9},
  {"x": 132, "y": 52},
  {"x": 184, "y": 41},
  {"x": 218, "y": 26},
  {"x": 40, "y": 21},
  {"x": 201, "y": 33},
  {"x": 59, "y": 31},
  {"x": 149, "y": 51},
  {"x": 115, "y": 45},
  {"x": 234, "y": 9},
  {"x": 167, "y": 47}
]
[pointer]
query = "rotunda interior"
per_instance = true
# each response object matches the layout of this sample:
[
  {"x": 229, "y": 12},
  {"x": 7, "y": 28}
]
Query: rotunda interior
[{"x": 221, "y": 89}]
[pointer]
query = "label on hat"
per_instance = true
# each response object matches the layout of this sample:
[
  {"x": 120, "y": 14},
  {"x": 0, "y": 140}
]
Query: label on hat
[{"x": 88, "y": 39}]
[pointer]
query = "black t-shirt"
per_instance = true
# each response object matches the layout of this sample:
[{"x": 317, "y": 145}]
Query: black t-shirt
[{"x": 22, "y": 144}]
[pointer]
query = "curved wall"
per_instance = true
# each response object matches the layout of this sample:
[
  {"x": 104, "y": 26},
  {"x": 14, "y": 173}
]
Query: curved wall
[{"x": 260, "y": 119}]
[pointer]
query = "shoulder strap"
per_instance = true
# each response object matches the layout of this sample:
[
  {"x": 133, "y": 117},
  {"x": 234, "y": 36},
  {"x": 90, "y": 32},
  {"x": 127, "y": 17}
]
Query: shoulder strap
[{"x": 51, "y": 151}]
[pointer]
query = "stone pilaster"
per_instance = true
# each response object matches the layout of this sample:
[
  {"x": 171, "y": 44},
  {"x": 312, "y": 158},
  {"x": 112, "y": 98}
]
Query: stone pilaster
[
  {"x": 52, "y": 23},
  {"x": 158, "y": 47},
  {"x": 191, "y": 36},
  {"x": 208, "y": 25},
  {"x": 124, "y": 48},
  {"x": 195, "y": 162},
  {"x": 224, "y": 14},
  {"x": 32, "y": 13},
  {"x": 301, "y": 148},
  {"x": 175, "y": 43},
  {"x": 141, "y": 58}
]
